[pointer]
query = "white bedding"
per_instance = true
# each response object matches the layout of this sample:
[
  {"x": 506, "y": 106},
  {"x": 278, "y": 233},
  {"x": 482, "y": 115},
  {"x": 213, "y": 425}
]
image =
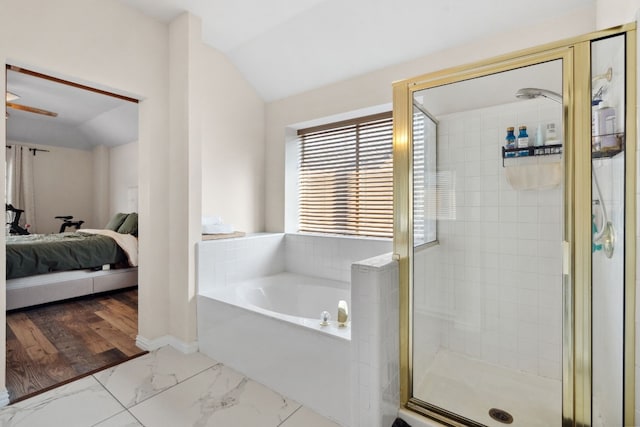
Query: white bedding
[{"x": 127, "y": 242}]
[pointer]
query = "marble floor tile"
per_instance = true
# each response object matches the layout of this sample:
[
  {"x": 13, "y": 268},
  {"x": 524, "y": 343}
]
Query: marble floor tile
[
  {"x": 138, "y": 379},
  {"x": 80, "y": 403},
  {"x": 218, "y": 396},
  {"x": 123, "y": 419},
  {"x": 305, "y": 417}
]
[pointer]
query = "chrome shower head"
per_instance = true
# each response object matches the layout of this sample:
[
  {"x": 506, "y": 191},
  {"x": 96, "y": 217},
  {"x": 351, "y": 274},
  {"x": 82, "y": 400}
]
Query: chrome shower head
[{"x": 532, "y": 92}]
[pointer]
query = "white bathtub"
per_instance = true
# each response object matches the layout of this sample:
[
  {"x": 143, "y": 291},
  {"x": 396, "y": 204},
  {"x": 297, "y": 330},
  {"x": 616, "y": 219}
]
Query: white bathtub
[
  {"x": 259, "y": 304},
  {"x": 290, "y": 297},
  {"x": 269, "y": 329}
]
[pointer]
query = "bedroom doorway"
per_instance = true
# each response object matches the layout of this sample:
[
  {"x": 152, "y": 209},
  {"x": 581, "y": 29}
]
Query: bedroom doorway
[{"x": 72, "y": 157}]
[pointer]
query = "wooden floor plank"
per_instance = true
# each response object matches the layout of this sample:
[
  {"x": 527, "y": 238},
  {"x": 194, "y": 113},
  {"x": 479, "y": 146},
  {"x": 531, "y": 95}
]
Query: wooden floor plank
[
  {"x": 130, "y": 299},
  {"x": 92, "y": 341},
  {"x": 121, "y": 309},
  {"x": 24, "y": 375},
  {"x": 55, "y": 343},
  {"x": 35, "y": 344},
  {"x": 114, "y": 316},
  {"x": 59, "y": 329},
  {"x": 120, "y": 339}
]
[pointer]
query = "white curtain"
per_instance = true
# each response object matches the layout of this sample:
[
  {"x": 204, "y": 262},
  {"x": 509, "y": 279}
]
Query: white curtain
[{"x": 20, "y": 192}]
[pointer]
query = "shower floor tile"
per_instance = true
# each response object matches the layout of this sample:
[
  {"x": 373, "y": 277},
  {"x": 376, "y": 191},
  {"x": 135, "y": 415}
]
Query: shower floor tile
[{"x": 471, "y": 388}]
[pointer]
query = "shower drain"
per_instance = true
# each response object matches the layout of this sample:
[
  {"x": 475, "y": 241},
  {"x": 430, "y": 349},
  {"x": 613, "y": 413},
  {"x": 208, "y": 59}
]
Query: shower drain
[{"x": 500, "y": 416}]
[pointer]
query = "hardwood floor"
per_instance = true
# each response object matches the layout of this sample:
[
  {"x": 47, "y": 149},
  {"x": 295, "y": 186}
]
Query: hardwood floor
[{"x": 55, "y": 343}]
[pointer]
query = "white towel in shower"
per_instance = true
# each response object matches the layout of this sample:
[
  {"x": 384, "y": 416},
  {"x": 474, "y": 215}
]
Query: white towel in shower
[{"x": 543, "y": 176}]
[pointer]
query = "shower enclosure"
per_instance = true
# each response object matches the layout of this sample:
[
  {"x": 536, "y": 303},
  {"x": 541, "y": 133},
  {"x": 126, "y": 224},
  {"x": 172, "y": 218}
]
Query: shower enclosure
[{"x": 518, "y": 275}]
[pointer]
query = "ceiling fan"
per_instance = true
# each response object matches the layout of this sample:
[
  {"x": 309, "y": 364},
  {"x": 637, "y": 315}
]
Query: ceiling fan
[{"x": 10, "y": 97}]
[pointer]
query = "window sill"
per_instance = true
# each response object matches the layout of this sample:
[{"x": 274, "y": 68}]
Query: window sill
[{"x": 341, "y": 236}]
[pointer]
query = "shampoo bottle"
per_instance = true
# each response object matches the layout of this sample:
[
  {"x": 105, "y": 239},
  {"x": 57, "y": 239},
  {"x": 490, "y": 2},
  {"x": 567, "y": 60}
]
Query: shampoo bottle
[
  {"x": 523, "y": 141},
  {"x": 523, "y": 137},
  {"x": 510, "y": 142}
]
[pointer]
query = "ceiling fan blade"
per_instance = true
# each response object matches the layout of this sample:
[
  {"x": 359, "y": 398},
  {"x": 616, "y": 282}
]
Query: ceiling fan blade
[
  {"x": 10, "y": 96},
  {"x": 31, "y": 109}
]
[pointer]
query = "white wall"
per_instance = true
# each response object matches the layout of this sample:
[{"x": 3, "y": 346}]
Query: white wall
[
  {"x": 374, "y": 89},
  {"x": 233, "y": 148},
  {"x": 63, "y": 185},
  {"x": 110, "y": 46},
  {"x": 610, "y": 13},
  {"x": 184, "y": 174},
  {"x": 67, "y": 180},
  {"x": 123, "y": 178},
  {"x": 100, "y": 187},
  {"x": 217, "y": 125}
]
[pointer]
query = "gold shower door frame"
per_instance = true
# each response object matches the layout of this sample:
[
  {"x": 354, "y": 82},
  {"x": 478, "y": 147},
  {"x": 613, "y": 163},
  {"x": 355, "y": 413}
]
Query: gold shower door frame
[{"x": 576, "y": 91}]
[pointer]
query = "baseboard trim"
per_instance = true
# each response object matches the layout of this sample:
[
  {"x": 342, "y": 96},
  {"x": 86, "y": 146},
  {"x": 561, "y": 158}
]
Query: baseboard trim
[
  {"x": 154, "y": 344},
  {"x": 4, "y": 397}
]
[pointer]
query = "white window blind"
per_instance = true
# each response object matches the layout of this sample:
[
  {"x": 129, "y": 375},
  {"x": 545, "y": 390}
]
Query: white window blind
[
  {"x": 346, "y": 177},
  {"x": 419, "y": 178},
  {"x": 425, "y": 206}
]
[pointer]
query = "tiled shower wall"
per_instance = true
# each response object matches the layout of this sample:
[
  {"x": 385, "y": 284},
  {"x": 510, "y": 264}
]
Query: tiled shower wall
[{"x": 494, "y": 282}]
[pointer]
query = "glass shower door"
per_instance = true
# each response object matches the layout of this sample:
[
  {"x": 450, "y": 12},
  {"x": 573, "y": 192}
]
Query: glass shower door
[
  {"x": 486, "y": 268},
  {"x": 518, "y": 261}
]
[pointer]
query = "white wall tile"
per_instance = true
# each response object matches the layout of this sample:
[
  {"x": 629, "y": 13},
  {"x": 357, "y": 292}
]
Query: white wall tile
[
  {"x": 222, "y": 262},
  {"x": 329, "y": 257},
  {"x": 374, "y": 336},
  {"x": 500, "y": 302}
]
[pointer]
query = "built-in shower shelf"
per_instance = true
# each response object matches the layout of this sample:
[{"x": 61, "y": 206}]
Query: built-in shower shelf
[
  {"x": 542, "y": 150},
  {"x": 608, "y": 152},
  {"x": 605, "y": 154}
]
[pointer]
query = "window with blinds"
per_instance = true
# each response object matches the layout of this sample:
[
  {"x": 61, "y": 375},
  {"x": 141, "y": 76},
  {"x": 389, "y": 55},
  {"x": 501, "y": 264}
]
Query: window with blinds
[{"x": 346, "y": 177}]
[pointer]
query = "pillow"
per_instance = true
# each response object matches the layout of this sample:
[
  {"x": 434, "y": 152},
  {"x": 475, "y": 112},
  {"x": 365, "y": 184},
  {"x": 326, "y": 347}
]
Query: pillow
[
  {"x": 130, "y": 225},
  {"x": 116, "y": 221}
]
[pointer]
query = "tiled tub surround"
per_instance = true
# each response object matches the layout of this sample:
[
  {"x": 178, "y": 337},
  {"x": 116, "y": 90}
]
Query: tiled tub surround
[
  {"x": 493, "y": 289},
  {"x": 375, "y": 341},
  {"x": 291, "y": 354}
]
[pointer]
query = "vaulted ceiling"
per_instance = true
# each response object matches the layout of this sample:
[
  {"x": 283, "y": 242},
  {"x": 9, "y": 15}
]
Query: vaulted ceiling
[{"x": 284, "y": 47}]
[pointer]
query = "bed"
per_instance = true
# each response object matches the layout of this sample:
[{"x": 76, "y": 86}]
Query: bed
[{"x": 43, "y": 268}]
